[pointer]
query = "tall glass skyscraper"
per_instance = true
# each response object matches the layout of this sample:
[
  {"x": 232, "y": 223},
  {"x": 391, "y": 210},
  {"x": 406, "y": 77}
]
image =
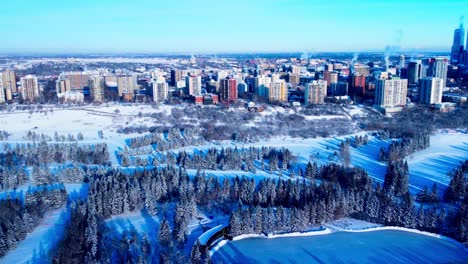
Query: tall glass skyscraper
[{"x": 457, "y": 48}]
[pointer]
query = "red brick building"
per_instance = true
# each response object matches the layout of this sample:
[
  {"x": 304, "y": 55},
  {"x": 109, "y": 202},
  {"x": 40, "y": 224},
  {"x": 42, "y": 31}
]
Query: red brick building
[{"x": 228, "y": 90}]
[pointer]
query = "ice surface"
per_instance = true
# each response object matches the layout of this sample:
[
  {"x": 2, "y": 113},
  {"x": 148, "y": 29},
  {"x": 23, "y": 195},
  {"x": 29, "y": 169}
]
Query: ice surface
[{"x": 387, "y": 246}]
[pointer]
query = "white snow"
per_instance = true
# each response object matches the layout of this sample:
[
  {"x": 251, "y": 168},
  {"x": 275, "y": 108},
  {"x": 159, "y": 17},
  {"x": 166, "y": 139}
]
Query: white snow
[{"x": 203, "y": 239}]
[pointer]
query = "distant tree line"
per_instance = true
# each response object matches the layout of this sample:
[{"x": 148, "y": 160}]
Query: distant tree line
[
  {"x": 174, "y": 138},
  {"x": 43, "y": 153}
]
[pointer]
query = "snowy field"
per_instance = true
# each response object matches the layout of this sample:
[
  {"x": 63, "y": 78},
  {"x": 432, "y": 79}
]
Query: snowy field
[{"x": 448, "y": 148}]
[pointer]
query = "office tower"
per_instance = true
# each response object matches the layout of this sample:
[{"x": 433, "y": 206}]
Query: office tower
[
  {"x": 228, "y": 89},
  {"x": 29, "y": 88},
  {"x": 430, "y": 90},
  {"x": 457, "y": 47},
  {"x": 401, "y": 61},
  {"x": 96, "y": 88},
  {"x": 126, "y": 85},
  {"x": 278, "y": 91},
  {"x": 9, "y": 81},
  {"x": 262, "y": 86},
  {"x": 160, "y": 90},
  {"x": 62, "y": 85},
  {"x": 415, "y": 71},
  {"x": 391, "y": 93},
  {"x": 437, "y": 67},
  {"x": 193, "y": 85},
  {"x": 315, "y": 92},
  {"x": 78, "y": 80}
]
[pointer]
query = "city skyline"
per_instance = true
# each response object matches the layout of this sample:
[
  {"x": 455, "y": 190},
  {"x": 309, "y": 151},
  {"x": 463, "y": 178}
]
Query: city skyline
[{"x": 217, "y": 27}]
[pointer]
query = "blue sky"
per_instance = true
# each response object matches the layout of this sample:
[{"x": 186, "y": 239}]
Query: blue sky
[{"x": 210, "y": 26}]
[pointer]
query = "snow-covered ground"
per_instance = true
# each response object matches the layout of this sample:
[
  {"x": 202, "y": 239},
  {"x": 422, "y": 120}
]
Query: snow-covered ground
[{"x": 447, "y": 150}]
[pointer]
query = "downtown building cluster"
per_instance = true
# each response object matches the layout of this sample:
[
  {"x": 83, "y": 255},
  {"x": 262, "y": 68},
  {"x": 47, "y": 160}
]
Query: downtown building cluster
[{"x": 389, "y": 84}]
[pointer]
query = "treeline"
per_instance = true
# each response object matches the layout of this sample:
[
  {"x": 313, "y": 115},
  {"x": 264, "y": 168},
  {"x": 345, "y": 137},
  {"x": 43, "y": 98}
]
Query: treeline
[
  {"x": 269, "y": 158},
  {"x": 237, "y": 159},
  {"x": 458, "y": 186},
  {"x": 42, "y": 153},
  {"x": 175, "y": 138},
  {"x": 270, "y": 206},
  {"x": 400, "y": 149},
  {"x": 18, "y": 218},
  {"x": 12, "y": 177}
]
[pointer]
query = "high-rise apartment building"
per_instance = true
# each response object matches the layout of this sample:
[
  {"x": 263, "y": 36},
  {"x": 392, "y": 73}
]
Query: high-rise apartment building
[
  {"x": 193, "y": 85},
  {"x": 438, "y": 67},
  {"x": 391, "y": 93},
  {"x": 330, "y": 77},
  {"x": 294, "y": 79},
  {"x": 415, "y": 71},
  {"x": 78, "y": 80},
  {"x": 29, "y": 88},
  {"x": 96, "y": 88},
  {"x": 62, "y": 85},
  {"x": 228, "y": 89},
  {"x": 221, "y": 75},
  {"x": 295, "y": 69},
  {"x": 2, "y": 93},
  {"x": 126, "y": 85},
  {"x": 160, "y": 90},
  {"x": 262, "y": 86},
  {"x": 457, "y": 47},
  {"x": 315, "y": 92},
  {"x": 278, "y": 91},
  {"x": 9, "y": 81},
  {"x": 430, "y": 90},
  {"x": 358, "y": 84},
  {"x": 176, "y": 75}
]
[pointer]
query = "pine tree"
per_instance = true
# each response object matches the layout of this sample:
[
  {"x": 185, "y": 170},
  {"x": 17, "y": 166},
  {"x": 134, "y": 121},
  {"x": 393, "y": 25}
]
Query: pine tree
[{"x": 164, "y": 234}]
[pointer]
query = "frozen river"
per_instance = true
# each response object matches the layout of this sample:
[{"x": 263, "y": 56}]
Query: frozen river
[{"x": 386, "y": 246}]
